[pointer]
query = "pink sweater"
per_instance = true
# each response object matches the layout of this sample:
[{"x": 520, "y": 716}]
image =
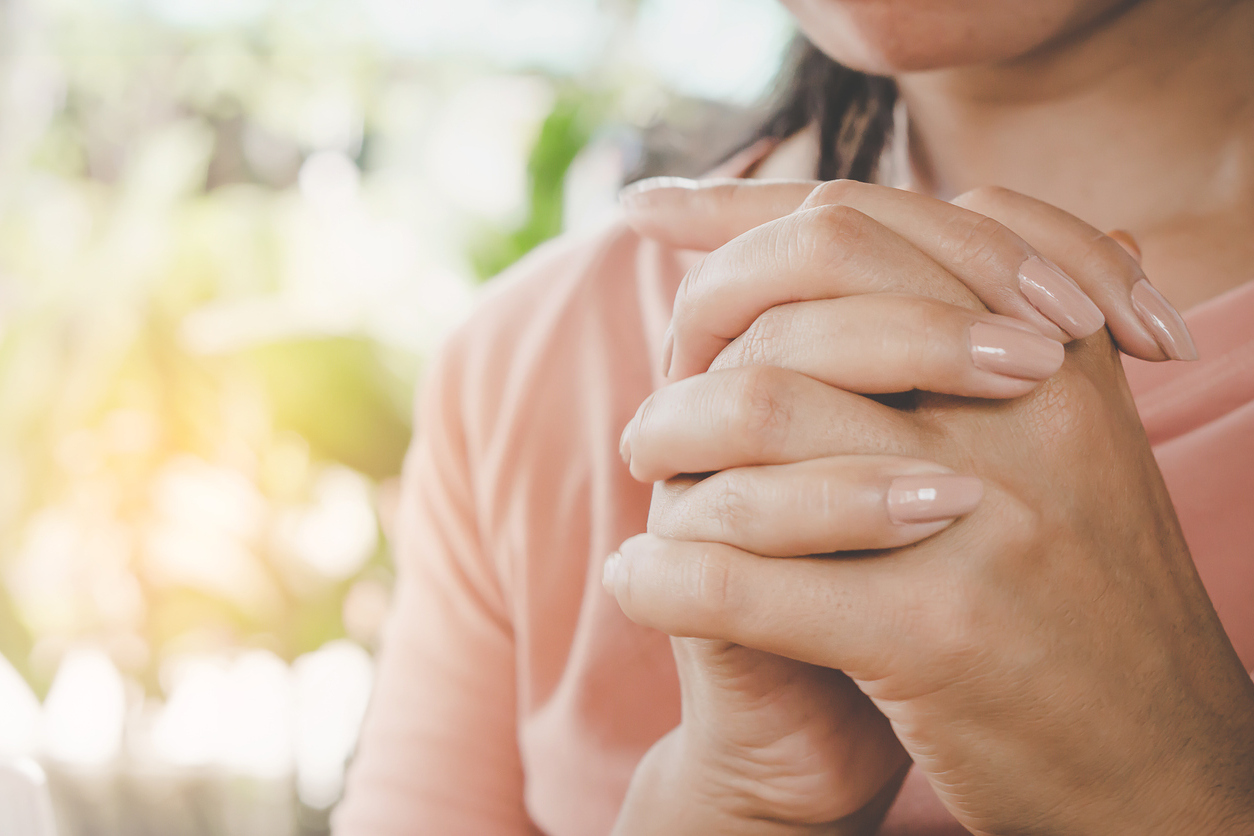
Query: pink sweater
[{"x": 513, "y": 696}]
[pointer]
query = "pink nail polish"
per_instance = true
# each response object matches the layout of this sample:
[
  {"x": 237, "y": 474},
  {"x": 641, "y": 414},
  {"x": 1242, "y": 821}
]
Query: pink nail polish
[
  {"x": 1013, "y": 352},
  {"x": 1055, "y": 295},
  {"x": 1163, "y": 321},
  {"x": 624, "y": 445},
  {"x": 932, "y": 497},
  {"x": 668, "y": 351}
]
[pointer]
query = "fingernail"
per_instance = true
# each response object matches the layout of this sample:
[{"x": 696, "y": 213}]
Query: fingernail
[
  {"x": 668, "y": 350},
  {"x": 933, "y": 497},
  {"x": 1059, "y": 298},
  {"x": 1163, "y": 321},
  {"x": 1013, "y": 352},
  {"x": 1124, "y": 239},
  {"x": 631, "y": 191},
  {"x": 624, "y": 445},
  {"x": 610, "y": 571}
]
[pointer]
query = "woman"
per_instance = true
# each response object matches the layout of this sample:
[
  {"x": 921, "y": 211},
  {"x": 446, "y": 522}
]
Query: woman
[{"x": 1009, "y": 599}]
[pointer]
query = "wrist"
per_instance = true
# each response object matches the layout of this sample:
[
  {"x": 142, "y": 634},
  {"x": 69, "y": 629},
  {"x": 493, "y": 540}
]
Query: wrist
[
  {"x": 1212, "y": 811},
  {"x": 674, "y": 792},
  {"x": 670, "y": 796},
  {"x": 1208, "y": 789},
  {"x": 1221, "y": 805}
]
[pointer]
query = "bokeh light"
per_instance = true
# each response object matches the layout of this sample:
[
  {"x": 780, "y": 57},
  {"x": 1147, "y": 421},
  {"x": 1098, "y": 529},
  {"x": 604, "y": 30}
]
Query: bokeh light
[{"x": 231, "y": 234}]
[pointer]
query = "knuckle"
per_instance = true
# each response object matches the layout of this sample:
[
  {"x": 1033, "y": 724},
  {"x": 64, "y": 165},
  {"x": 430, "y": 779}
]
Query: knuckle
[
  {"x": 729, "y": 505},
  {"x": 955, "y": 605},
  {"x": 986, "y": 246},
  {"x": 1105, "y": 258},
  {"x": 824, "y": 235},
  {"x": 1057, "y": 413},
  {"x": 762, "y": 410},
  {"x": 761, "y": 343},
  {"x": 839, "y": 225},
  {"x": 922, "y": 321},
  {"x": 710, "y": 589},
  {"x": 831, "y": 192},
  {"x": 1020, "y": 528},
  {"x": 792, "y": 243},
  {"x": 1062, "y": 409},
  {"x": 984, "y": 196},
  {"x": 948, "y": 614},
  {"x": 1073, "y": 409}
]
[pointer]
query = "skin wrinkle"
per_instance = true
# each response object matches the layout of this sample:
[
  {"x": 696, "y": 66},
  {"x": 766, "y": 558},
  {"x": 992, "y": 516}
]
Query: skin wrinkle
[
  {"x": 1061, "y": 596},
  {"x": 730, "y": 506},
  {"x": 762, "y": 417},
  {"x": 972, "y": 125},
  {"x": 829, "y": 235},
  {"x": 1001, "y": 631},
  {"x": 765, "y": 338},
  {"x": 975, "y": 250}
]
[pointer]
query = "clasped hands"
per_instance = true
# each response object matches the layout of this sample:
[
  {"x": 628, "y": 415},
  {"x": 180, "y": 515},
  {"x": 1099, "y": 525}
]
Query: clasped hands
[{"x": 896, "y": 520}]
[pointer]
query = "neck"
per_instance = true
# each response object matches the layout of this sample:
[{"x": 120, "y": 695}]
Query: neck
[{"x": 1144, "y": 122}]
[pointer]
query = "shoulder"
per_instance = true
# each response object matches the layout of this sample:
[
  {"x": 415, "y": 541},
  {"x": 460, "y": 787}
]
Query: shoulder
[
  {"x": 569, "y": 329},
  {"x": 557, "y": 285}
]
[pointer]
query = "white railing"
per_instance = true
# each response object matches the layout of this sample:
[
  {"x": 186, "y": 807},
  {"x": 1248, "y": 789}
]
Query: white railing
[{"x": 25, "y": 805}]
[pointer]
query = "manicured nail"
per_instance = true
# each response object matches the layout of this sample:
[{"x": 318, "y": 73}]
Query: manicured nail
[
  {"x": 1002, "y": 349},
  {"x": 932, "y": 497},
  {"x": 624, "y": 445},
  {"x": 1163, "y": 321},
  {"x": 668, "y": 351},
  {"x": 1124, "y": 239},
  {"x": 1055, "y": 295},
  {"x": 610, "y": 571},
  {"x": 631, "y": 191}
]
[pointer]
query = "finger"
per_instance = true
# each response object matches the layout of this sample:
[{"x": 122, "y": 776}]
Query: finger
[
  {"x": 1006, "y": 272},
  {"x": 757, "y": 415},
  {"x": 842, "y": 503},
  {"x": 706, "y": 214},
  {"x": 840, "y": 228},
  {"x": 881, "y": 343},
  {"x": 835, "y": 612},
  {"x": 1124, "y": 239},
  {"x": 1143, "y": 323},
  {"x": 821, "y": 253},
  {"x": 721, "y": 682}
]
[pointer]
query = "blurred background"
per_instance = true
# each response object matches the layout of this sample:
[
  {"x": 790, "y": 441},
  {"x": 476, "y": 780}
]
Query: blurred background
[{"x": 231, "y": 231}]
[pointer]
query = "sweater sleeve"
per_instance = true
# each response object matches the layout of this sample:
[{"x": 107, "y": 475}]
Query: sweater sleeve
[{"x": 439, "y": 748}]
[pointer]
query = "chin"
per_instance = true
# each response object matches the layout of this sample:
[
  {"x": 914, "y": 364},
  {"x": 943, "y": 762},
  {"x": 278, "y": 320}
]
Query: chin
[{"x": 890, "y": 37}]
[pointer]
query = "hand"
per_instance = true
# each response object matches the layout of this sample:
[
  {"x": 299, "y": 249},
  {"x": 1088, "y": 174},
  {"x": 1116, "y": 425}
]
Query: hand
[
  {"x": 843, "y": 238},
  {"x": 1052, "y": 662},
  {"x": 767, "y": 738},
  {"x": 767, "y": 747}
]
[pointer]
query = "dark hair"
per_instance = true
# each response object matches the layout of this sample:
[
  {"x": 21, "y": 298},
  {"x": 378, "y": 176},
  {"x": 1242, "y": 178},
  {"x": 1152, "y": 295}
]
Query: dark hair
[{"x": 853, "y": 112}]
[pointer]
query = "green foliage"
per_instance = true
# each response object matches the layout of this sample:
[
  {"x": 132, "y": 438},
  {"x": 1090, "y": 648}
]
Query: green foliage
[
  {"x": 158, "y": 185},
  {"x": 16, "y": 641},
  {"x": 564, "y": 133},
  {"x": 336, "y": 394}
]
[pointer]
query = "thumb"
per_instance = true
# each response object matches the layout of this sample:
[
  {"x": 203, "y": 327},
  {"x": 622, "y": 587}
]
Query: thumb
[{"x": 706, "y": 214}]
